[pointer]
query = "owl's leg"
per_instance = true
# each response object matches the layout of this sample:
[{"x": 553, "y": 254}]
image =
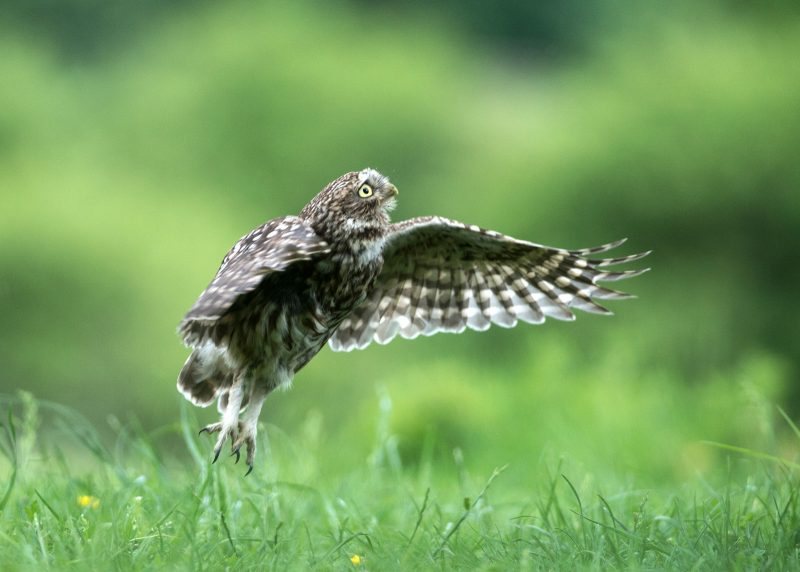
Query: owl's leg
[
  {"x": 229, "y": 424},
  {"x": 248, "y": 427}
]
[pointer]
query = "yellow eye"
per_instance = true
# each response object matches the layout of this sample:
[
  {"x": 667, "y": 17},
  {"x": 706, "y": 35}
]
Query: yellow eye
[{"x": 365, "y": 191}]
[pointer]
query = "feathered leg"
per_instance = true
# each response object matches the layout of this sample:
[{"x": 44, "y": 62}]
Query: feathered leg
[
  {"x": 229, "y": 425},
  {"x": 248, "y": 427}
]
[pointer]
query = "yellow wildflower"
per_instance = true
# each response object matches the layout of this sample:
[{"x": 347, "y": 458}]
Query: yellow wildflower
[
  {"x": 88, "y": 501},
  {"x": 355, "y": 559}
]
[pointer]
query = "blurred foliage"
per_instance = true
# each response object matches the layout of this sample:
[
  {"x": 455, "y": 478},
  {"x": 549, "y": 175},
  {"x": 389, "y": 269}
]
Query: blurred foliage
[
  {"x": 86, "y": 29},
  {"x": 124, "y": 178}
]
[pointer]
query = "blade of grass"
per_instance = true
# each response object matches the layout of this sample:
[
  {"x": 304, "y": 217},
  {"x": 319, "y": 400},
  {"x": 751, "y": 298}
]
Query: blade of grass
[
  {"x": 344, "y": 542},
  {"x": 47, "y": 504},
  {"x": 191, "y": 444},
  {"x": 751, "y": 453},
  {"x": 580, "y": 507},
  {"x": 228, "y": 533},
  {"x": 419, "y": 517},
  {"x": 11, "y": 436},
  {"x": 468, "y": 510},
  {"x": 614, "y": 519},
  {"x": 790, "y": 422}
]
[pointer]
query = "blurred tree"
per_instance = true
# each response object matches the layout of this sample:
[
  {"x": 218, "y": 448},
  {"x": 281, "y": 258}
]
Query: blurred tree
[
  {"x": 86, "y": 29},
  {"x": 122, "y": 183},
  {"x": 521, "y": 28}
]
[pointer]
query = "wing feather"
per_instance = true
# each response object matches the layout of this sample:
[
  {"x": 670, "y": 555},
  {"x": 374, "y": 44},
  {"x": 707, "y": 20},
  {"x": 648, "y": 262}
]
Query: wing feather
[
  {"x": 416, "y": 295},
  {"x": 273, "y": 247},
  {"x": 475, "y": 311},
  {"x": 443, "y": 275}
]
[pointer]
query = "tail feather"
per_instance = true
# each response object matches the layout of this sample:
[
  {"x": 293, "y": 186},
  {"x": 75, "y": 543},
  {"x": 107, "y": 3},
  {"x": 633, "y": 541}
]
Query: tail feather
[{"x": 200, "y": 382}]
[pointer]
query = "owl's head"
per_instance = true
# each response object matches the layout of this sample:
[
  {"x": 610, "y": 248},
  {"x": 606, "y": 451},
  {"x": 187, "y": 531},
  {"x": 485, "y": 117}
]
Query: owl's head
[{"x": 360, "y": 200}]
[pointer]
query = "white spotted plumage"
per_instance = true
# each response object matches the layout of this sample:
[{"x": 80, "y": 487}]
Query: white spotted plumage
[
  {"x": 461, "y": 276},
  {"x": 341, "y": 273}
]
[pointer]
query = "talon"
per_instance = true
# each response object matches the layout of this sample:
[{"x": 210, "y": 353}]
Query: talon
[
  {"x": 212, "y": 428},
  {"x": 251, "y": 453},
  {"x": 240, "y": 434}
]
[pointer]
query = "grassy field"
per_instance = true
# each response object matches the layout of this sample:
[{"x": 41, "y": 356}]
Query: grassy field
[{"x": 72, "y": 502}]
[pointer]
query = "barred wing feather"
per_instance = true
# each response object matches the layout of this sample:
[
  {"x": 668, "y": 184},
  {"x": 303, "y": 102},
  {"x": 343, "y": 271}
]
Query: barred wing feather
[
  {"x": 270, "y": 248},
  {"x": 442, "y": 275}
]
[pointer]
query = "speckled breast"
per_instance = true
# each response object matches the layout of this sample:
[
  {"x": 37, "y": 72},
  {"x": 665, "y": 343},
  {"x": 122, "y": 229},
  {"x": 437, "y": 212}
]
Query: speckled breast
[{"x": 290, "y": 317}]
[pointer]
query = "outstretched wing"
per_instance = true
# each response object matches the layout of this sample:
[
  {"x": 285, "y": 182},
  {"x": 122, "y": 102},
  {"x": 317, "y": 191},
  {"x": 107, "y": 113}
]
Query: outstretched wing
[
  {"x": 441, "y": 275},
  {"x": 270, "y": 248}
]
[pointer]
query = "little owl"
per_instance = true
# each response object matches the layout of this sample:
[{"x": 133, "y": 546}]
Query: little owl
[{"x": 341, "y": 273}]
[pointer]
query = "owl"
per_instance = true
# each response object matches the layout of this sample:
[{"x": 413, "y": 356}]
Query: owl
[{"x": 341, "y": 273}]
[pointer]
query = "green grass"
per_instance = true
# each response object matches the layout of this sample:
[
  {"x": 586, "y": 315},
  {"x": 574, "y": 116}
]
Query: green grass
[{"x": 152, "y": 506}]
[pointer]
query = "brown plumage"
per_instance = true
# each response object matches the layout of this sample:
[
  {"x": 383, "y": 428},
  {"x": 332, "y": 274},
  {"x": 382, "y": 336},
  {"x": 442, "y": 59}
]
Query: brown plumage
[{"x": 341, "y": 273}]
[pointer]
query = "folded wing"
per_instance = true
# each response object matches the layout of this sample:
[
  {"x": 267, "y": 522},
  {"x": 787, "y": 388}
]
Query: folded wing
[{"x": 270, "y": 248}]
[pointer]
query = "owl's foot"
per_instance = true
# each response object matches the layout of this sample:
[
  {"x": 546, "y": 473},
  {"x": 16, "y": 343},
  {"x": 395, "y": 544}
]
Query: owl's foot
[
  {"x": 228, "y": 427},
  {"x": 241, "y": 431},
  {"x": 248, "y": 428},
  {"x": 246, "y": 437},
  {"x": 225, "y": 433},
  {"x": 211, "y": 428}
]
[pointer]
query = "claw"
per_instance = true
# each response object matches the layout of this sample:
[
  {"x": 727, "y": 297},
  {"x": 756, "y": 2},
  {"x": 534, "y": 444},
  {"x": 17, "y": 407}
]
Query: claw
[
  {"x": 251, "y": 453},
  {"x": 240, "y": 435},
  {"x": 210, "y": 429}
]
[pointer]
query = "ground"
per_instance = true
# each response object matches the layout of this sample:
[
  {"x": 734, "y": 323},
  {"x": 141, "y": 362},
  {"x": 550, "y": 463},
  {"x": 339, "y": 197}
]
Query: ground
[{"x": 131, "y": 506}]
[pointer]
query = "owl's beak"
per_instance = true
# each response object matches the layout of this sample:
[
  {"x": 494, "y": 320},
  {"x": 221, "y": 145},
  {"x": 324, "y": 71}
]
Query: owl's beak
[{"x": 387, "y": 195}]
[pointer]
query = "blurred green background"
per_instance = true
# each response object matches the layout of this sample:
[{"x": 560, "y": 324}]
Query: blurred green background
[{"x": 139, "y": 140}]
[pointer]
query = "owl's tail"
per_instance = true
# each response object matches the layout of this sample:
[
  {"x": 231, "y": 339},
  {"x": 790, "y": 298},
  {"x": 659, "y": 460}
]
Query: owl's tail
[{"x": 203, "y": 377}]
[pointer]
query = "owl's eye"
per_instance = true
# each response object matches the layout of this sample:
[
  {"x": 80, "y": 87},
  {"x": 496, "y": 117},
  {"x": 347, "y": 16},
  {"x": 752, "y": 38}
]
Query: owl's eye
[{"x": 365, "y": 191}]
